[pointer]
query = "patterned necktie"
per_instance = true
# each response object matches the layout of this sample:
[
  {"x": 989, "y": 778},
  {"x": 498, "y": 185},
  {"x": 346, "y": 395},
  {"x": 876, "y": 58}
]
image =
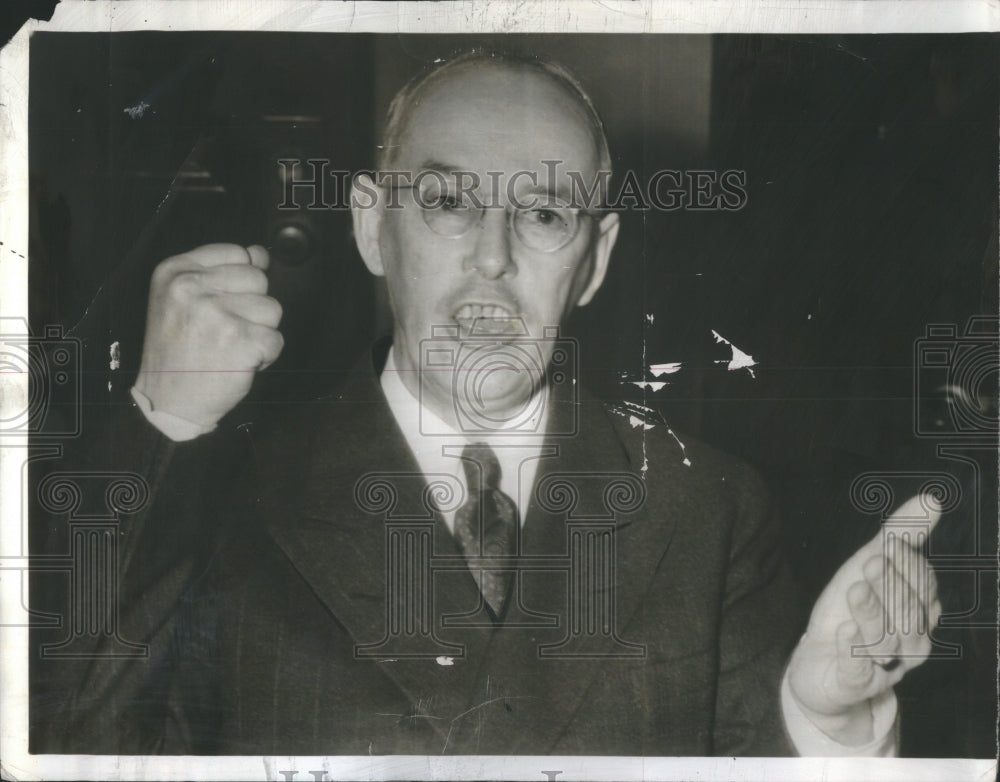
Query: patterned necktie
[{"x": 486, "y": 525}]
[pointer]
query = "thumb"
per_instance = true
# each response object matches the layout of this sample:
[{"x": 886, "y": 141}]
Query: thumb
[
  {"x": 922, "y": 511},
  {"x": 913, "y": 516}
]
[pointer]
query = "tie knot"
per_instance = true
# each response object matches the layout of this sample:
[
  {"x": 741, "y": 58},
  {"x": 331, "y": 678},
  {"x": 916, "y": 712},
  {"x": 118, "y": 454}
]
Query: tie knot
[{"x": 489, "y": 467}]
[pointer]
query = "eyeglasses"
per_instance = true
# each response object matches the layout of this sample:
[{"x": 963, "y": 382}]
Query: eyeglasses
[{"x": 545, "y": 225}]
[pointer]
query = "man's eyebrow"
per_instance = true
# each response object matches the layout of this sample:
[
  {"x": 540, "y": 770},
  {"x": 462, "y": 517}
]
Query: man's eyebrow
[
  {"x": 561, "y": 189},
  {"x": 439, "y": 167}
]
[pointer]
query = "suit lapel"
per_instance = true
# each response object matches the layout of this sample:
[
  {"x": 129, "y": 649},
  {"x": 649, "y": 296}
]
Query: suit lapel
[
  {"x": 337, "y": 540},
  {"x": 587, "y": 462}
]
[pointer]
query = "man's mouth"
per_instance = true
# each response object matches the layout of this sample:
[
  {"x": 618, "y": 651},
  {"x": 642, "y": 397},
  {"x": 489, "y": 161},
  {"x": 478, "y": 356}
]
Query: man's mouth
[{"x": 487, "y": 320}]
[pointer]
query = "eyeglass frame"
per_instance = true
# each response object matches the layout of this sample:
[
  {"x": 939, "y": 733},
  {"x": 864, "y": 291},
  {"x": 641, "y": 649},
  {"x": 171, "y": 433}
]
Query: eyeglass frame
[{"x": 512, "y": 212}]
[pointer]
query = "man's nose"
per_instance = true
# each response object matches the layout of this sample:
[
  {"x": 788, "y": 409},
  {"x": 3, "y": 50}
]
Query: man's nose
[{"x": 491, "y": 254}]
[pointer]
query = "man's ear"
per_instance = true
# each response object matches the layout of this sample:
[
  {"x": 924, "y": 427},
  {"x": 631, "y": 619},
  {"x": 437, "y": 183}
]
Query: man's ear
[
  {"x": 366, "y": 215},
  {"x": 607, "y": 234}
]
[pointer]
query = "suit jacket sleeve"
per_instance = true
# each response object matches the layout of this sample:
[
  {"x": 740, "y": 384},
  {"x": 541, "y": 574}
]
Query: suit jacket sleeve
[
  {"x": 759, "y": 625},
  {"x": 159, "y": 701}
]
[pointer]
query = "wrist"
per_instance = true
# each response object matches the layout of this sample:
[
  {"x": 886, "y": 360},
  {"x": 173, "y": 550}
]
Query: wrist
[
  {"x": 852, "y": 726},
  {"x": 177, "y": 428}
]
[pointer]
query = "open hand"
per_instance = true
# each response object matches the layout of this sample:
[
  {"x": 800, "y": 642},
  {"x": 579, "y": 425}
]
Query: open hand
[{"x": 870, "y": 626}]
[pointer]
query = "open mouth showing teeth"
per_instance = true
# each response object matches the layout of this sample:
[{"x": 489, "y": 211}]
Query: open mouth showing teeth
[{"x": 488, "y": 319}]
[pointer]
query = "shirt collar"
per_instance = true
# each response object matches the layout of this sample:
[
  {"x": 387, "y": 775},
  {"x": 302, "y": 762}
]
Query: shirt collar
[{"x": 518, "y": 455}]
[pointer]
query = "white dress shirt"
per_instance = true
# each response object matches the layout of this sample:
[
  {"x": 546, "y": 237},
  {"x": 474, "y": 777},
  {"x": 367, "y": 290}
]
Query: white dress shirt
[{"x": 437, "y": 446}]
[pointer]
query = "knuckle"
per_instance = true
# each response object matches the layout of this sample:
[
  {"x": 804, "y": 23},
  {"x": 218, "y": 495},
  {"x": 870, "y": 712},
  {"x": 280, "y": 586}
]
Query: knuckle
[
  {"x": 230, "y": 330},
  {"x": 859, "y": 593},
  {"x": 206, "y": 310},
  {"x": 856, "y": 669},
  {"x": 184, "y": 286},
  {"x": 873, "y": 572},
  {"x": 166, "y": 270},
  {"x": 162, "y": 272}
]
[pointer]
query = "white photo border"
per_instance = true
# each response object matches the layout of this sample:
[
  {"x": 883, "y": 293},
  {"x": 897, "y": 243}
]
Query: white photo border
[{"x": 564, "y": 16}]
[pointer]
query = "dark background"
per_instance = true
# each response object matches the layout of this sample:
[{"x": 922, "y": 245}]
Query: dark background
[{"x": 871, "y": 167}]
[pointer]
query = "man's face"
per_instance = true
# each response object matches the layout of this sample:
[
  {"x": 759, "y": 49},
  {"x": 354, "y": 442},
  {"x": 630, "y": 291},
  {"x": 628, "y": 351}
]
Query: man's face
[{"x": 493, "y": 121}]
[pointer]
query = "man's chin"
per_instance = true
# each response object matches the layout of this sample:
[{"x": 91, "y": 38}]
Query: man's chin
[{"x": 495, "y": 406}]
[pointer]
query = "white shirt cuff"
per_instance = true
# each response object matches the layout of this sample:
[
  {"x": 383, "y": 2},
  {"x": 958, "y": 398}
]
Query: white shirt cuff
[
  {"x": 810, "y": 741},
  {"x": 176, "y": 428}
]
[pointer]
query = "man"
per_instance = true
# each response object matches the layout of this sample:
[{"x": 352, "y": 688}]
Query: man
[{"x": 270, "y": 610}]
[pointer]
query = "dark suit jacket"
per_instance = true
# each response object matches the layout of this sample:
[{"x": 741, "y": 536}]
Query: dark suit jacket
[{"x": 253, "y": 601}]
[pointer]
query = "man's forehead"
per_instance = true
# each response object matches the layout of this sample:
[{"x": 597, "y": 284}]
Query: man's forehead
[{"x": 498, "y": 117}]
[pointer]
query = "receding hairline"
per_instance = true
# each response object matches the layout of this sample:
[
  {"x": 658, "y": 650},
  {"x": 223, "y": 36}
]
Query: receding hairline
[{"x": 406, "y": 100}]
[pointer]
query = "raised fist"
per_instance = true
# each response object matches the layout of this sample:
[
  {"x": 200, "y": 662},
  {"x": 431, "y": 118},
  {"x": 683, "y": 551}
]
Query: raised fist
[{"x": 210, "y": 327}]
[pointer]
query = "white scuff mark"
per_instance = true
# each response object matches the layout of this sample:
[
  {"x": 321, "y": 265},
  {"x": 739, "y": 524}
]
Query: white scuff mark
[
  {"x": 159, "y": 206},
  {"x": 645, "y": 427},
  {"x": 136, "y": 111},
  {"x": 389, "y": 660},
  {"x": 637, "y": 422},
  {"x": 109, "y": 386},
  {"x": 442, "y": 660},
  {"x": 809, "y": 316},
  {"x": 114, "y": 352},
  {"x": 635, "y": 406},
  {"x": 651, "y": 385},
  {"x": 665, "y": 369},
  {"x": 649, "y": 318},
  {"x": 740, "y": 360},
  {"x": 687, "y": 462}
]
